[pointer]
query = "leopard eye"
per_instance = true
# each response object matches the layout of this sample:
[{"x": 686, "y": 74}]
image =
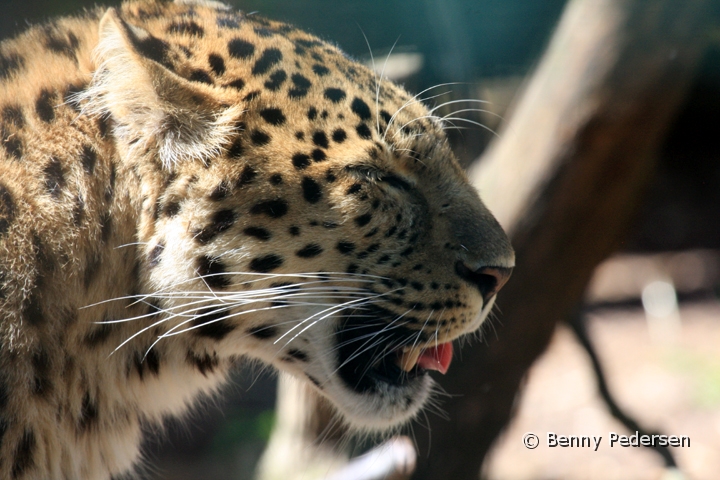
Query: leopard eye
[
  {"x": 395, "y": 182},
  {"x": 366, "y": 172}
]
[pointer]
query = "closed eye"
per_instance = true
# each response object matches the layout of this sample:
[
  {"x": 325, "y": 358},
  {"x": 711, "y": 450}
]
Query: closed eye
[
  {"x": 373, "y": 174},
  {"x": 395, "y": 182}
]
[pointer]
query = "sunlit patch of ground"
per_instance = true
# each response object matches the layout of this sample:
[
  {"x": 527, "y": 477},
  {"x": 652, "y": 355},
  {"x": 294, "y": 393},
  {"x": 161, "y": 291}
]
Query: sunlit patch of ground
[{"x": 673, "y": 386}]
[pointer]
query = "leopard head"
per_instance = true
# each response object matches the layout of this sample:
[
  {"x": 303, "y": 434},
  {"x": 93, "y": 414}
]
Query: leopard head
[{"x": 296, "y": 209}]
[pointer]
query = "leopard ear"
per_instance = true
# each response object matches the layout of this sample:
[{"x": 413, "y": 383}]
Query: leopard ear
[{"x": 154, "y": 109}]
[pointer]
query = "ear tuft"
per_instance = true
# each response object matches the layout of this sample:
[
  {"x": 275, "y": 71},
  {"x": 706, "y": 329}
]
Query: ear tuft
[{"x": 154, "y": 109}]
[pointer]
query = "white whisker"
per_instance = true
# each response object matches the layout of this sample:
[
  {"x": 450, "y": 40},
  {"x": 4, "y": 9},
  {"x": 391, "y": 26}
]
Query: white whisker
[
  {"x": 414, "y": 99},
  {"x": 453, "y": 102},
  {"x": 377, "y": 86},
  {"x": 484, "y": 127},
  {"x": 322, "y": 316},
  {"x": 476, "y": 110}
]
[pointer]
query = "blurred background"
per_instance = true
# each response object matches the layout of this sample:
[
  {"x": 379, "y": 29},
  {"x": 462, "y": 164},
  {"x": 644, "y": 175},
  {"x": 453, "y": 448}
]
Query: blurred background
[{"x": 652, "y": 308}]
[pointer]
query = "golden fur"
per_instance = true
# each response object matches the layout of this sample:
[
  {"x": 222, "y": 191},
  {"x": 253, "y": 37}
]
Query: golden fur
[{"x": 182, "y": 185}]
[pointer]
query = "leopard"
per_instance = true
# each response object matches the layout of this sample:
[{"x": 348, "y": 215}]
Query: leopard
[{"x": 184, "y": 188}]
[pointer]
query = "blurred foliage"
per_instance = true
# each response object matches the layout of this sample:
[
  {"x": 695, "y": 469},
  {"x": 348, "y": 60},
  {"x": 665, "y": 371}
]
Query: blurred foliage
[
  {"x": 461, "y": 39},
  {"x": 242, "y": 426}
]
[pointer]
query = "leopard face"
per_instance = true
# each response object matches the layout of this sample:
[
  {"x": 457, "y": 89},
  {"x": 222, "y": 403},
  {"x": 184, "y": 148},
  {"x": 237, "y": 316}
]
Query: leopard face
[
  {"x": 182, "y": 185},
  {"x": 296, "y": 209}
]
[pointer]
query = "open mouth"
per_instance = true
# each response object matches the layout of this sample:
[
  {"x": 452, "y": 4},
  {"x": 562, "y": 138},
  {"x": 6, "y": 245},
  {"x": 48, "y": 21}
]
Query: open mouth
[{"x": 374, "y": 353}]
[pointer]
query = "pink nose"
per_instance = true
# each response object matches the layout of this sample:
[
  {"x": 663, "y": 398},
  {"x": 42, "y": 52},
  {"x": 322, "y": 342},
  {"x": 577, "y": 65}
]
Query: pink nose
[{"x": 489, "y": 280}]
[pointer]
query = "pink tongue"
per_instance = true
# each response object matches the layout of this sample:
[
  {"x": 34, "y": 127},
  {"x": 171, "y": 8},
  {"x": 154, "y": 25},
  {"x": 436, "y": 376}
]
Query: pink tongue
[{"x": 436, "y": 358}]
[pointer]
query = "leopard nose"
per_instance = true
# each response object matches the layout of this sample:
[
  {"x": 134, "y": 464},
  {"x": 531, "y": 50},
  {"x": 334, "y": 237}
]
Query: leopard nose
[{"x": 488, "y": 280}]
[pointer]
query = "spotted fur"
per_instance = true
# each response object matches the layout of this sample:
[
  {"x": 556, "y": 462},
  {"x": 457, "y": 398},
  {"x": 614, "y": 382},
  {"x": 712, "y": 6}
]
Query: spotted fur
[{"x": 182, "y": 185}]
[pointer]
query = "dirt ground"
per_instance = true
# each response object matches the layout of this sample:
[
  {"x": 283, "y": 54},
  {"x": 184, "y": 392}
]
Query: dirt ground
[{"x": 672, "y": 386}]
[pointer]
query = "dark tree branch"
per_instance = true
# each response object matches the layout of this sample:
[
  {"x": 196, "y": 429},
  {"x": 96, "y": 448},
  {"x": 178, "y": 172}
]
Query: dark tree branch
[{"x": 565, "y": 179}]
